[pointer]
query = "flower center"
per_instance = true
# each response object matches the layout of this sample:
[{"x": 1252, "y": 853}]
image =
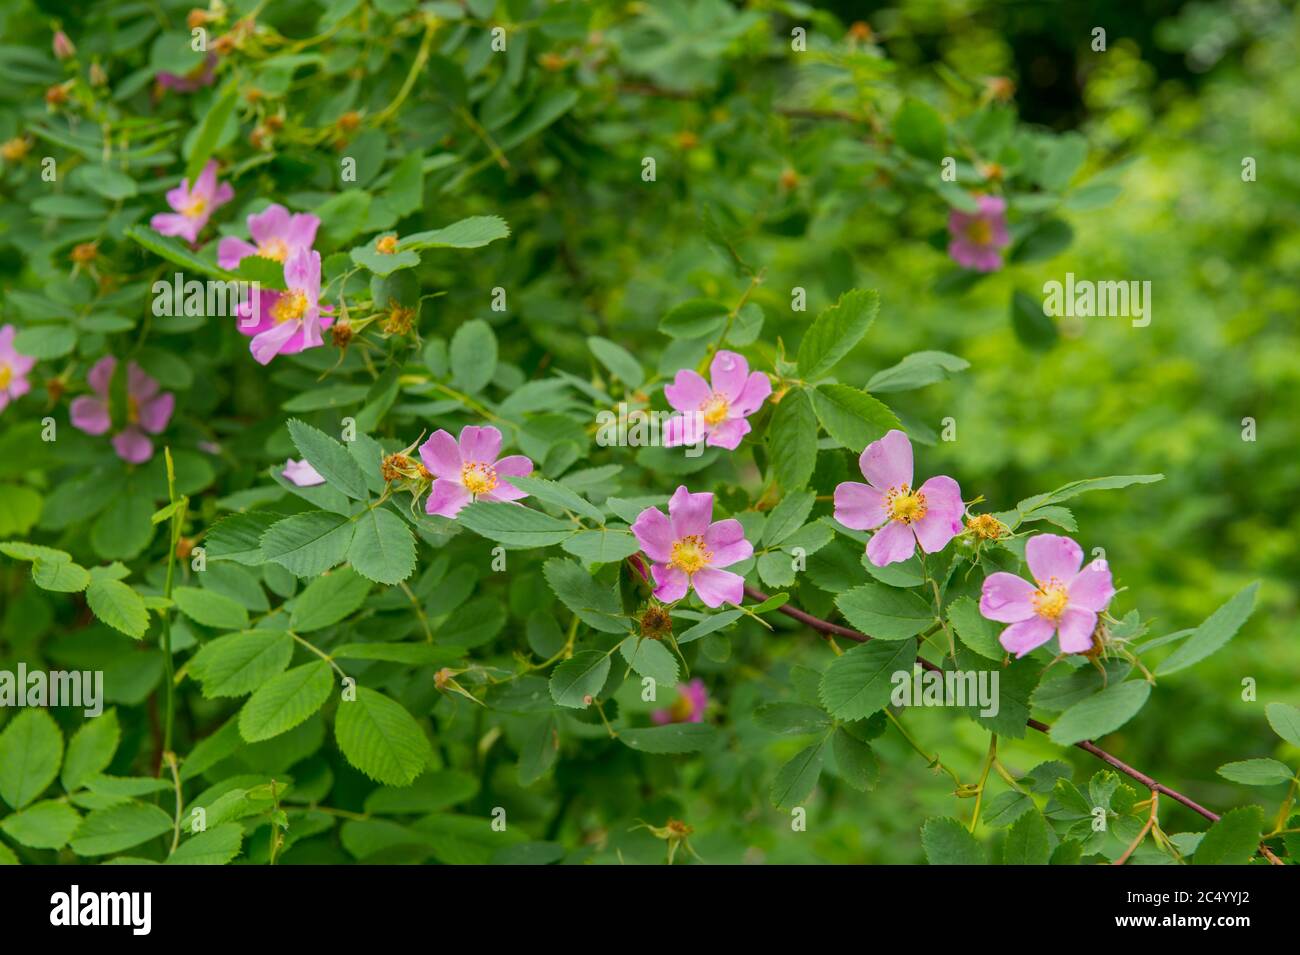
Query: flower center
[
  {"x": 290, "y": 306},
  {"x": 194, "y": 207},
  {"x": 478, "y": 478},
  {"x": 1050, "y": 600},
  {"x": 682, "y": 709},
  {"x": 714, "y": 408},
  {"x": 132, "y": 410},
  {"x": 6, "y": 375},
  {"x": 904, "y": 504},
  {"x": 274, "y": 249},
  {"x": 980, "y": 232},
  {"x": 689, "y": 554}
]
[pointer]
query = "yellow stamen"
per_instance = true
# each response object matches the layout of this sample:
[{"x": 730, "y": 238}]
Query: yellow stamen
[
  {"x": 274, "y": 249},
  {"x": 714, "y": 408},
  {"x": 478, "y": 478},
  {"x": 1050, "y": 600},
  {"x": 194, "y": 207},
  {"x": 132, "y": 410},
  {"x": 689, "y": 554},
  {"x": 289, "y": 307},
  {"x": 904, "y": 504},
  {"x": 6, "y": 375},
  {"x": 980, "y": 232},
  {"x": 682, "y": 709}
]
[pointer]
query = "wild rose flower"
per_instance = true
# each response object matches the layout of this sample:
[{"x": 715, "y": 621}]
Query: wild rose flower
[
  {"x": 278, "y": 235},
  {"x": 931, "y": 515},
  {"x": 13, "y": 368},
  {"x": 470, "y": 470},
  {"x": 289, "y": 321},
  {"x": 692, "y": 700},
  {"x": 979, "y": 237},
  {"x": 146, "y": 409},
  {"x": 193, "y": 207},
  {"x": 715, "y": 411},
  {"x": 688, "y": 550},
  {"x": 1063, "y": 599},
  {"x": 197, "y": 78},
  {"x": 301, "y": 473}
]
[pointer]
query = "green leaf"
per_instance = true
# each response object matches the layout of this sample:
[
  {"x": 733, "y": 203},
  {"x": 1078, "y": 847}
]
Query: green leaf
[
  {"x": 241, "y": 662},
  {"x": 471, "y": 233},
  {"x": 836, "y": 331},
  {"x": 310, "y": 543},
  {"x": 796, "y": 780},
  {"x": 885, "y": 613},
  {"x": 973, "y": 630},
  {"x": 20, "y": 509},
  {"x": 416, "y": 654},
  {"x": 205, "y": 139},
  {"x": 552, "y": 492},
  {"x": 1233, "y": 839},
  {"x": 174, "y": 252},
  {"x": 514, "y": 525},
  {"x": 117, "y": 605},
  {"x": 119, "y": 827},
  {"x": 852, "y": 417},
  {"x": 286, "y": 700},
  {"x": 431, "y": 792},
  {"x": 380, "y": 738},
  {"x": 109, "y": 183},
  {"x": 792, "y": 441},
  {"x": 215, "y": 846},
  {"x": 919, "y": 129},
  {"x": 916, "y": 371},
  {"x": 1067, "y": 491},
  {"x": 60, "y": 576},
  {"x": 1034, "y": 329},
  {"x": 594, "y": 604},
  {"x": 791, "y": 719},
  {"x": 602, "y": 546},
  {"x": 1103, "y": 713},
  {"x": 694, "y": 318},
  {"x": 1046, "y": 240},
  {"x": 1285, "y": 720},
  {"x": 580, "y": 676},
  {"x": 670, "y": 738},
  {"x": 330, "y": 459},
  {"x": 1027, "y": 842},
  {"x": 855, "y": 760},
  {"x": 710, "y": 624},
  {"x": 238, "y": 537},
  {"x": 383, "y": 263},
  {"x": 650, "y": 658},
  {"x": 473, "y": 355},
  {"x": 618, "y": 361},
  {"x": 210, "y": 608},
  {"x": 946, "y": 842},
  {"x": 328, "y": 599},
  {"x": 43, "y": 825},
  {"x": 1220, "y": 627},
  {"x": 787, "y": 517},
  {"x": 383, "y": 549},
  {"x": 46, "y": 341},
  {"x": 1256, "y": 772},
  {"x": 90, "y": 750},
  {"x": 858, "y": 683},
  {"x": 1005, "y": 808}
]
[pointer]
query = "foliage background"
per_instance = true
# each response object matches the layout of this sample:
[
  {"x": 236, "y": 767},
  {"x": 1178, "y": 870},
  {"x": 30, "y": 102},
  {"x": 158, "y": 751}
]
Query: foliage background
[{"x": 1183, "y": 92}]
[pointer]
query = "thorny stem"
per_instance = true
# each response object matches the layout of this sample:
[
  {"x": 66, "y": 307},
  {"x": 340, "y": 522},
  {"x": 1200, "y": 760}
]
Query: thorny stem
[{"x": 828, "y": 628}]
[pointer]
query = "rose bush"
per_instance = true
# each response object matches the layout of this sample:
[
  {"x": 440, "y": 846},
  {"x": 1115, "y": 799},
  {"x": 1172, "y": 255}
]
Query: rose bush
[{"x": 312, "y": 316}]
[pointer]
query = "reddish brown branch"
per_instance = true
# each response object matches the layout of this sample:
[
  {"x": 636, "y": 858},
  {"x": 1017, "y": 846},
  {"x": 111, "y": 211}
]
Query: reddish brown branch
[{"x": 827, "y": 628}]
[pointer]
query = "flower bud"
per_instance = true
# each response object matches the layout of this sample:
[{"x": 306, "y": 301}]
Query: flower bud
[{"x": 63, "y": 48}]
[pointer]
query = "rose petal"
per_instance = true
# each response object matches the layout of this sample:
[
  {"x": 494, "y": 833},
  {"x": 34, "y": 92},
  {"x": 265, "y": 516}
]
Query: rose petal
[
  {"x": 690, "y": 513},
  {"x": 717, "y": 587},
  {"x": 859, "y": 506},
  {"x": 892, "y": 543},
  {"x": 671, "y": 583},
  {"x": 1026, "y": 635},
  {"x": 654, "y": 532},
  {"x": 1053, "y": 556},
  {"x": 887, "y": 463},
  {"x": 726, "y": 541},
  {"x": 481, "y": 444},
  {"x": 447, "y": 498},
  {"x": 1007, "y": 598}
]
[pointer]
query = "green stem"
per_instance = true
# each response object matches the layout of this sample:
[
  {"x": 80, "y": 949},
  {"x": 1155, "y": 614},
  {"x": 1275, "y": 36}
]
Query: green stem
[{"x": 177, "y": 519}]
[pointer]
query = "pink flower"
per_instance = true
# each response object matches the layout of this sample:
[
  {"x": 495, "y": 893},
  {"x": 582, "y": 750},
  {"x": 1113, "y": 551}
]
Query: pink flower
[
  {"x": 63, "y": 48},
  {"x": 202, "y": 75},
  {"x": 978, "y": 237},
  {"x": 470, "y": 470},
  {"x": 283, "y": 323},
  {"x": 193, "y": 207},
  {"x": 301, "y": 473},
  {"x": 13, "y": 368},
  {"x": 277, "y": 234},
  {"x": 688, "y": 550},
  {"x": 692, "y": 701},
  {"x": 930, "y": 515},
  {"x": 717, "y": 411},
  {"x": 146, "y": 409},
  {"x": 1065, "y": 601}
]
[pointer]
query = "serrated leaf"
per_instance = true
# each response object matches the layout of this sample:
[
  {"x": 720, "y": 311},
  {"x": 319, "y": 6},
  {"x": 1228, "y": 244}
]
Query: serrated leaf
[
  {"x": 239, "y": 663},
  {"x": 973, "y": 630},
  {"x": 796, "y": 780},
  {"x": 310, "y": 543},
  {"x": 473, "y": 355},
  {"x": 593, "y": 603},
  {"x": 946, "y": 842},
  {"x": 514, "y": 525},
  {"x": 791, "y": 719},
  {"x": 604, "y": 546},
  {"x": 1103, "y": 713},
  {"x": 670, "y": 738},
  {"x": 215, "y": 846},
  {"x": 1285, "y": 720},
  {"x": 31, "y": 750},
  {"x": 852, "y": 417},
  {"x": 618, "y": 361},
  {"x": 43, "y": 825},
  {"x": 284, "y": 701},
  {"x": 90, "y": 750},
  {"x": 859, "y": 682},
  {"x": 330, "y": 459},
  {"x": 855, "y": 760},
  {"x": 885, "y": 613},
  {"x": 471, "y": 233},
  {"x": 1027, "y": 842},
  {"x": 238, "y": 537},
  {"x": 383, "y": 549},
  {"x": 380, "y": 738},
  {"x": 328, "y": 599},
  {"x": 1220, "y": 627},
  {"x": 1233, "y": 839},
  {"x": 650, "y": 658},
  {"x": 792, "y": 440},
  {"x": 119, "y": 827},
  {"x": 205, "y": 138},
  {"x": 836, "y": 331},
  {"x": 117, "y": 605},
  {"x": 580, "y": 676},
  {"x": 1256, "y": 772},
  {"x": 787, "y": 517},
  {"x": 210, "y": 608}
]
